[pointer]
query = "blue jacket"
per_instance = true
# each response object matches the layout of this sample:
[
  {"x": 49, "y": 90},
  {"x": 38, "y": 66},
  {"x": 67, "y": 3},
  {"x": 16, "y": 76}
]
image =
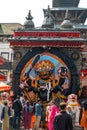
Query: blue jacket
[
  {"x": 38, "y": 109},
  {"x": 3, "y": 112}
]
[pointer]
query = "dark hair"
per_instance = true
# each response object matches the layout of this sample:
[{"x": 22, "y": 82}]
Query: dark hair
[
  {"x": 85, "y": 105},
  {"x": 62, "y": 105},
  {"x": 38, "y": 100},
  {"x": 29, "y": 81},
  {"x": 5, "y": 103}
]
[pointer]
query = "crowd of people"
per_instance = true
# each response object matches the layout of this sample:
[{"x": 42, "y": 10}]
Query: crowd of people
[{"x": 57, "y": 114}]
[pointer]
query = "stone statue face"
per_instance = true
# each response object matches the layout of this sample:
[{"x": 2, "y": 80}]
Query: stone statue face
[{"x": 65, "y": 3}]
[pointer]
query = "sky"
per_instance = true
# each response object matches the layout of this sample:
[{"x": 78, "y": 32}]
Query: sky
[{"x": 16, "y": 11}]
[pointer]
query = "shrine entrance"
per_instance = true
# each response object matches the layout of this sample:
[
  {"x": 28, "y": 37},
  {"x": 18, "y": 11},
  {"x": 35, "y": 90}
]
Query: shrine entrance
[{"x": 50, "y": 67}]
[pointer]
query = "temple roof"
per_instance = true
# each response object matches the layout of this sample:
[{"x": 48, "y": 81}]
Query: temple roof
[
  {"x": 80, "y": 26},
  {"x": 68, "y": 8},
  {"x": 48, "y": 34},
  {"x": 58, "y": 14},
  {"x": 65, "y": 3}
]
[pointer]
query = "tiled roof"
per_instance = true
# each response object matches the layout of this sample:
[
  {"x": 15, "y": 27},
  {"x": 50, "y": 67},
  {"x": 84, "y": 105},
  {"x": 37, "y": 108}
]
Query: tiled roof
[{"x": 8, "y": 28}]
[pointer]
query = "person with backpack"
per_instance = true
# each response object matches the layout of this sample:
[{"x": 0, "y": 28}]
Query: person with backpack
[
  {"x": 17, "y": 107},
  {"x": 63, "y": 121}
]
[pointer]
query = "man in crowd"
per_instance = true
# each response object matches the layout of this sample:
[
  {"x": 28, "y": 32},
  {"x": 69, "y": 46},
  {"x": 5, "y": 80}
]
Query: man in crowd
[
  {"x": 38, "y": 111},
  {"x": 63, "y": 121},
  {"x": 17, "y": 107}
]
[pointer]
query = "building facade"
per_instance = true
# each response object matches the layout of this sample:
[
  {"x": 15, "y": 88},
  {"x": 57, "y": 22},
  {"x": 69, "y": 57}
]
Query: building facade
[{"x": 6, "y": 53}]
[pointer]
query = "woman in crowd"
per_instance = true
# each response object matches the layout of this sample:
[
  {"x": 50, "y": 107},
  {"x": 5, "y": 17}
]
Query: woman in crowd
[
  {"x": 5, "y": 116},
  {"x": 83, "y": 122},
  {"x": 27, "y": 114},
  {"x": 53, "y": 111}
]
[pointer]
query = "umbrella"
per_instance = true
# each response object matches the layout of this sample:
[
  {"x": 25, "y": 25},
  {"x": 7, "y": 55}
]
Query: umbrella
[{"x": 4, "y": 87}]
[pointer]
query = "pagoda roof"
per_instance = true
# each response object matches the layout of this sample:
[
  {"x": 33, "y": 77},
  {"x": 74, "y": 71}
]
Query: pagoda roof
[
  {"x": 67, "y": 3},
  {"x": 67, "y": 8},
  {"x": 80, "y": 26}
]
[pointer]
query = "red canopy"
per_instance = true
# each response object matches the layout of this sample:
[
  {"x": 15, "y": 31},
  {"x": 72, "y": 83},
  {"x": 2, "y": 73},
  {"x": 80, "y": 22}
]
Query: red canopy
[{"x": 4, "y": 87}]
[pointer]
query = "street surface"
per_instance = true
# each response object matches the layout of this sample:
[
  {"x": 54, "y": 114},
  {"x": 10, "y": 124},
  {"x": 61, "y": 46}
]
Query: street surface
[
  {"x": 76, "y": 128},
  {"x": 22, "y": 128}
]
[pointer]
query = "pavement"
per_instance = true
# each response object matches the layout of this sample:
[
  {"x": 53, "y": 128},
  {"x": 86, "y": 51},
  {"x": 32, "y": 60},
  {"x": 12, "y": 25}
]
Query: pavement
[
  {"x": 78, "y": 128},
  {"x": 75, "y": 128},
  {"x": 22, "y": 128}
]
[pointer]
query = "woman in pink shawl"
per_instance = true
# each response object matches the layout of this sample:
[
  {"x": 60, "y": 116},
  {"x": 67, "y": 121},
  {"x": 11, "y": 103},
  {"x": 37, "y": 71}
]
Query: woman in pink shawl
[{"x": 53, "y": 110}]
